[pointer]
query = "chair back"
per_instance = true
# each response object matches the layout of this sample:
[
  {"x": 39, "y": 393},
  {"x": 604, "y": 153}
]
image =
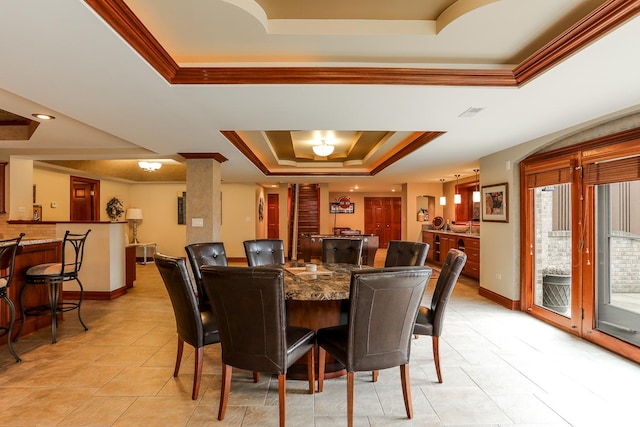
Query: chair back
[
  {"x": 73, "y": 253},
  {"x": 383, "y": 306},
  {"x": 248, "y": 303},
  {"x": 8, "y": 249},
  {"x": 346, "y": 251},
  {"x": 449, "y": 274},
  {"x": 183, "y": 298},
  {"x": 404, "y": 253},
  {"x": 200, "y": 254},
  {"x": 264, "y": 252}
]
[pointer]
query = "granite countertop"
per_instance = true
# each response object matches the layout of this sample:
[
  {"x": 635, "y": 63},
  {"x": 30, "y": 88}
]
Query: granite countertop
[
  {"x": 38, "y": 241},
  {"x": 320, "y": 287},
  {"x": 453, "y": 233}
]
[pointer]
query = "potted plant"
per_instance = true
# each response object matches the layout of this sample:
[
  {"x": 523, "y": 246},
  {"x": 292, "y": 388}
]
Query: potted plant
[
  {"x": 556, "y": 289},
  {"x": 115, "y": 208}
]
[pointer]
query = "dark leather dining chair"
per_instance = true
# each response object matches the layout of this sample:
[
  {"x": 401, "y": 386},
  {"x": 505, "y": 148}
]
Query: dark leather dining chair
[
  {"x": 431, "y": 319},
  {"x": 383, "y": 305},
  {"x": 406, "y": 253},
  {"x": 264, "y": 252},
  {"x": 260, "y": 342},
  {"x": 344, "y": 251},
  {"x": 8, "y": 249},
  {"x": 199, "y": 254},
  {"x": 195, "y": 327},
  {"x": 53, "y": 275}
]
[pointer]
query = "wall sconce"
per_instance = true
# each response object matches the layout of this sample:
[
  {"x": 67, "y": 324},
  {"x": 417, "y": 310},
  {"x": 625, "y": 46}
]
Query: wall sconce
[
  {"x": 476, "y": 193},
  {"x": 150, "y": 166},
  {"x": 134, "y": 215},
  {"x": 457, "y": 198},
  {"x": 443, "y": 199}
]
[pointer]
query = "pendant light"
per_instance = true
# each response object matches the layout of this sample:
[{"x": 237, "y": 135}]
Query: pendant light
[
  {"x": 443, "y": 199},
  {"x": 457, "y": 198},
  {"x": 476, "y": 193}
]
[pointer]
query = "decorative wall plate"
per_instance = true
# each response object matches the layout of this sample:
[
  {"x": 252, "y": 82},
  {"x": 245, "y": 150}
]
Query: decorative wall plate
[{"x": 438, "y": 223}]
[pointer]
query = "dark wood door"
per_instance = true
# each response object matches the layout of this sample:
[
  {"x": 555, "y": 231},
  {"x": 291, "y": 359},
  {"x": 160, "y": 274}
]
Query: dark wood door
[
  {"x": 273, "y": 216},
  {"x": 383, "y": 217},
  {"x": 85, "y": 199}
]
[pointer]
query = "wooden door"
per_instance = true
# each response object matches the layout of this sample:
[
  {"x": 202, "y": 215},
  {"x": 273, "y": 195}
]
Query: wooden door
[
  {"x": 273, "y": 216},
  {"x": 383, "y": 217},
  {"x": 85, "y": 199}
]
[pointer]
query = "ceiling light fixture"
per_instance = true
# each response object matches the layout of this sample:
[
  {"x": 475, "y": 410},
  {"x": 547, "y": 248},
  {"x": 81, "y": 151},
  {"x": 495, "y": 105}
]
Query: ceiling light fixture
[
  {"x": 43, "y": 116},
  {"x": 323, "y": 150},
  {"x": 443, "y": 199},
  {"x": 150, "y": 166},
  {"x": 457, "y": 198},
  {"x": 476, "y": 193}
]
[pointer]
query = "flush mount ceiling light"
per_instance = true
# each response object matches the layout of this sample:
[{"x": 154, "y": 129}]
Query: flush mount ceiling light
[
  {"x": 43, "y": 116},
  {"x": 150, "y": 166},
  {"x": 323, "y": 150}
]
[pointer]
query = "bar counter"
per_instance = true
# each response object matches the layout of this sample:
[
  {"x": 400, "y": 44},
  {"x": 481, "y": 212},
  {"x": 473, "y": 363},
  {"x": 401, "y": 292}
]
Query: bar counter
[{"x": 30, "y": 253}]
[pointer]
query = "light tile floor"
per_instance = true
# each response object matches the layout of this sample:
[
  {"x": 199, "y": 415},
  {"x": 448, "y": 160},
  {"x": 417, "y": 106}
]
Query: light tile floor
[{"x": 500, "y": 368}]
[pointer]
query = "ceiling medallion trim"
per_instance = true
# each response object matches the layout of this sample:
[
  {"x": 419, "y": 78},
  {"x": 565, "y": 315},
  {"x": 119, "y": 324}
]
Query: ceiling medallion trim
[
  {"x": 122, "y": 19},
  {"x": 406, "y": 147}
]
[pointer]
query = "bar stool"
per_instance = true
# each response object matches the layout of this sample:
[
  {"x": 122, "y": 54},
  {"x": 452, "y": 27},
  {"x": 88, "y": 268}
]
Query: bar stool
[
  {"x": 8, "y": 248},
  {"x": 53, "y": 275}
]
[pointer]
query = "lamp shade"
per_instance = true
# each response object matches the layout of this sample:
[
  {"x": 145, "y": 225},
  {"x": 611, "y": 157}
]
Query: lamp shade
[
  {"x": 443, "y": 200},
  {"x": 133, "y": 213}
]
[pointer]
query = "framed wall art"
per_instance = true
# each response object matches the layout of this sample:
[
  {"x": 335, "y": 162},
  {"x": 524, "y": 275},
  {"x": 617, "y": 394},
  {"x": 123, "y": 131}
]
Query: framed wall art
[
  {"x": 495, "y": 202},
  {"x": 338, "y": 208}
]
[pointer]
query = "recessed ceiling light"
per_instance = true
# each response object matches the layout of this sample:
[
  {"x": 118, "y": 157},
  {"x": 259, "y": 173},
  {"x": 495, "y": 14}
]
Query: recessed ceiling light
[{"x": 43, "y": 116}]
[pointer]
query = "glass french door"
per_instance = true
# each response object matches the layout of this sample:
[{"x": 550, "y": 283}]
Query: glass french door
[
  {"x": 617, "y": 270},
  {"x": 552, "y": 242}
]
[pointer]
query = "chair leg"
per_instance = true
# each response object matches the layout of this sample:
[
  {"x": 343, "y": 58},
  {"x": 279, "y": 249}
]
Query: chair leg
[
  {"x": 322, "y": 356},
  {"x": 225, "y": 388},
  {"x": 12, "y": 320},
  {"x": 311, "y": 370},
  {"x": 80, "y": 303},
  {"x": 53, "y": 286},
  {"x": 23, "y": 311},
  {"x": 256, "y": 377},
  {"x": 350, "y": 383},
  {"x": 197, "y": 373},
  {"x": 282, "y": 390},
  {"x": 178, "y": 356},
  {"x": 436, "y": 357},
  {"x": 374, "y": 375},
  {"x": 406, "y": 389}
]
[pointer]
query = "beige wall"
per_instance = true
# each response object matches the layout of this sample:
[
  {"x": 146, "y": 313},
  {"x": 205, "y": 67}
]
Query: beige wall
[
  {"x": 239, "y": 217},
  {"x": 413, "y": 229},
  {"x": 20, "y": 197},
  {"x": 354, "y": 221}
]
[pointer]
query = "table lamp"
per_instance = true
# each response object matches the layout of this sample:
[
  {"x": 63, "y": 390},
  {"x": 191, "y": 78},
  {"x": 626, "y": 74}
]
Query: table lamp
[{"x": 135, "y": 215}]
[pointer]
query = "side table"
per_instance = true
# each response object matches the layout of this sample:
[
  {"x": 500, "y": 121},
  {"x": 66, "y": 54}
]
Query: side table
[{"x": 144, "y": 247}]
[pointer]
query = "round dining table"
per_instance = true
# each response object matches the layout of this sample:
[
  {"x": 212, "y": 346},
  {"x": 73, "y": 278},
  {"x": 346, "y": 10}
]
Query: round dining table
[{"x": 318, "y": 299}]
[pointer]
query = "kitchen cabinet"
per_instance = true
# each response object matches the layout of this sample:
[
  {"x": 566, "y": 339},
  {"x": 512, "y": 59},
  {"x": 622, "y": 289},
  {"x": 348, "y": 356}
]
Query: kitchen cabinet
[{"x": 441, "y": 241}]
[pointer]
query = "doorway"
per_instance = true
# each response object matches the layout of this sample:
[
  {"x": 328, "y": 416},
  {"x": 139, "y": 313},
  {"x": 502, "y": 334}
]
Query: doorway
[
  {"x": 383, "y": 217},
  {"x": 84, "y": 200},
  {"x": 273, "y": 216}
]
